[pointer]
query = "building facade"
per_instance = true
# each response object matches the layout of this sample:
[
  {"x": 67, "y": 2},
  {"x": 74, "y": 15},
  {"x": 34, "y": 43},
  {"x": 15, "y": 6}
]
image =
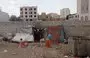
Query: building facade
[
  {"x": 73, "y": 17},
  {"x": 49, "y": 17},
  {"x": 64, "y": 12},
  {"x": 43, "y": 16},
  {"x": 54, "y": 15},
  {"x": 28, "y": 13},
  {"x": 83, "y": 9}
]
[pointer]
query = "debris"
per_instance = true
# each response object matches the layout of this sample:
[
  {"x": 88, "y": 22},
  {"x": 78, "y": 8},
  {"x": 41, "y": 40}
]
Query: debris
[
  {"x": 57, "y": 48},
  {"x": 14, "y": 53},
  {"x": 42, "y": 40},
  {"x": 66, "y": 56},
  {"x": 88, "y": 57},
  {"x": 5, "y": 51}
]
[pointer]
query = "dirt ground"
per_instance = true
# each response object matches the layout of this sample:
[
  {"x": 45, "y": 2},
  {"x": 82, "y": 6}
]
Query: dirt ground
[{"x": 34, "y": 50}]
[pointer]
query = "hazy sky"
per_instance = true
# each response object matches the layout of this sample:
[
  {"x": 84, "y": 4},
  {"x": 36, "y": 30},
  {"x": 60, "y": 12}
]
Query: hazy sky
[{"x": 48, "y": 6}]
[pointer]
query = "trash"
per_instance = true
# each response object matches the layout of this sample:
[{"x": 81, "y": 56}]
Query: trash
[
  {"x": 42, "y": 40},
  {"x": 39, "y": 45},
  {"x": 23, "y": 44},
  {"x": 26, "y": 44},
  {"x": 76, "y": 57},
  {"x": 14, "y": 53},
  {"x": 57, "y": 48},
  {"x": 66, "y": 56},
  {"x": 88, "y": 57},
  {"x": 5, "y": 51}
]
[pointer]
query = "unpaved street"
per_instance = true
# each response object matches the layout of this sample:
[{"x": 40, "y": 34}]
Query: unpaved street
[{"x": 32, "y": 51}]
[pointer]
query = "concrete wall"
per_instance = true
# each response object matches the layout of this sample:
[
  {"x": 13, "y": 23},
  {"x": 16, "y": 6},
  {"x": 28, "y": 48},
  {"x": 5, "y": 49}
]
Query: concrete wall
[
  {"x": 4, "y": 17},
  {"x": 11, "y": 27}
]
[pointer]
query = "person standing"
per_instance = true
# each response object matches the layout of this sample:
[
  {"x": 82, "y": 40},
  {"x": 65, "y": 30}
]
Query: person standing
[{"x": 48, "y": 40}]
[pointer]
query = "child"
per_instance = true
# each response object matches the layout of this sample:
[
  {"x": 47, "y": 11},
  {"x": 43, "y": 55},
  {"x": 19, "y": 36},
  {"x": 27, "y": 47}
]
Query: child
[{"x": 48, "y": 41}]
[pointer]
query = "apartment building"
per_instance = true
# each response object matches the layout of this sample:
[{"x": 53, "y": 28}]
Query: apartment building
[
  {"x": 28, "y": 13},
  {"x": 83, "y": 9},
  {"x": 64, "y": 12}
]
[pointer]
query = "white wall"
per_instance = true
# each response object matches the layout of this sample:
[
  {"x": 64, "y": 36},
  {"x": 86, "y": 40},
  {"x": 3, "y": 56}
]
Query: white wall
[
  {"x": 64, "y": 12},
  {"x": 4, "y": 17}
]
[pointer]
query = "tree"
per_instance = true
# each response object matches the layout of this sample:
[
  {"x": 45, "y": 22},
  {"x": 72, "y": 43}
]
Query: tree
[
  {"x": 18, "y": 19},
  {"x": 13, "y": 18}
]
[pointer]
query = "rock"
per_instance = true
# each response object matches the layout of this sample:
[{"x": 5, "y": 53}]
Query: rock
[
  {"x": 14, "y": 53},
  {"x": 5, "y": 51},
  {"x": 88, "y": 57},
  {"x": 66, "y": 56},
  {"x": 42, "y": 40}
]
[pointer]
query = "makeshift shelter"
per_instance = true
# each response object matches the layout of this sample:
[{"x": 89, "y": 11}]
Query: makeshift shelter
[{"x": 23, "y": 36}]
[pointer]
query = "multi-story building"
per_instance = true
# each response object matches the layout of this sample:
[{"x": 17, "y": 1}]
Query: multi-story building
[
  {"x": 28, "y": 13},
  {"x": 83, "y": 9},
  {"x": 64, "y": 12}
]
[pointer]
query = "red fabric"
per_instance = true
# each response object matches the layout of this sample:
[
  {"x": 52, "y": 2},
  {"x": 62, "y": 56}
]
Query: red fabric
[
  {"x": 23, "y": 44},
  {"x": 48, "y": 43},
  {"x": 54, "y": 30}
]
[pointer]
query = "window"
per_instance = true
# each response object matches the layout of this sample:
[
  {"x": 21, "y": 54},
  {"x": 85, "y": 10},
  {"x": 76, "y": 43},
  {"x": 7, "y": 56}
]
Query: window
[
  {"x": 30, "y": 9},
  {"x": 30, "y": 19},
  {"x": 82, "y": 18},
  {"x": 34, "y": 12},
  {"x": 76, "y": 16},
  {"x": 30, "y": 12},
  {"x": 25, "y": 8},
  {"x": 25, "y": 12},
  {"x": 21, "y": 12},
  {"x": 86, "y": 17},
  {"x": 30, "y": 16},
  {"x": 34, "y": 15},
  {"x": 21, "y": 15},
  {"x": 21, "y": 9},
  {"x": 26, "y": 16},
  {"x": 34, "y": 8},
  {"x": 26, "y": 19}
]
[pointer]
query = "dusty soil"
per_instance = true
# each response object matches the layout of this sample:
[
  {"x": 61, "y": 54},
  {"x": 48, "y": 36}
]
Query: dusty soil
[{"x": 34, "y": 50}]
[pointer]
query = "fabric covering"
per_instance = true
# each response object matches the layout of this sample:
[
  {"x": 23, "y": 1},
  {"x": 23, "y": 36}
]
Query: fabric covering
[
  {"x": 24, "y": 36},
  {"x": 48, "y": 43}
]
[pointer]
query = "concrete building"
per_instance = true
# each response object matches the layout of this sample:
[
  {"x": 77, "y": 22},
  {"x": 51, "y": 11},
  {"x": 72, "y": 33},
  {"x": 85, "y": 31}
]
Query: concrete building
[
  {"x": 4, "y": 17},
  {"x": 83, "y": 9},
  {"x": 64, "y": 12},
  {"x": 28, "y": 13},
  {"x": 73, "y": 17},
  {"x": 53, "y": 15},
  {"x": 50, "y": 17},
  {"x": 42, "y": 17}
]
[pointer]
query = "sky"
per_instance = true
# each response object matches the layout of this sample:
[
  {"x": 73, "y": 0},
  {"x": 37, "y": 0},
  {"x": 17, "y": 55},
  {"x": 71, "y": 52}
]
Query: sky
[{"x": 49, "y": 6}]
